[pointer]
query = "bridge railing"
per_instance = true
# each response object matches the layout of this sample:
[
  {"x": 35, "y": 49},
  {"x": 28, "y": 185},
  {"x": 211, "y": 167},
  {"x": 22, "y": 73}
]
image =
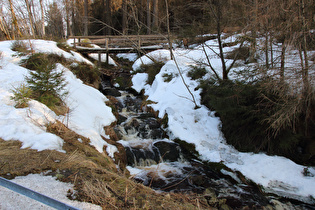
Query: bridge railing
[
  {"x": 35, "y": 195},
  {"x": 121, "y": 41}
]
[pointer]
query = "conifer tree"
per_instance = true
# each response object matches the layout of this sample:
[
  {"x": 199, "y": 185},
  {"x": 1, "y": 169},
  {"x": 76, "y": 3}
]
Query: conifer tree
[{"x": 46, "y": 83}]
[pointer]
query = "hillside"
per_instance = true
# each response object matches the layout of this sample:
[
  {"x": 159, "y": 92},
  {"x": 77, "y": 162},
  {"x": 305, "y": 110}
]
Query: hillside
[{"x": 74, "y": 147}]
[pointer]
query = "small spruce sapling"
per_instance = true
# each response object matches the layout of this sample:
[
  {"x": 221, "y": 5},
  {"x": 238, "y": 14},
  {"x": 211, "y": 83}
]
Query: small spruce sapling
[
  {"x": 21, "y": 96},
  {"x": 46, "y": 84}
]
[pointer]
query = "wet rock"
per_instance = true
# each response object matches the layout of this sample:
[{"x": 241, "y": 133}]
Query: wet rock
[
  {"x": 169, "y": 151},
  {"x": 123, "y": 80},
  {"x": 156, "y": 133},
  {"x": 150, "y": 128},
  {"x": 133, "y": 104},
  {"x": 118, "y": 133},
  {"x": 141, "y": 157},
  {"x": 121, "y": 119},
  {"x": 146, "y": 115},
  {"x": 111, "y": 91}
]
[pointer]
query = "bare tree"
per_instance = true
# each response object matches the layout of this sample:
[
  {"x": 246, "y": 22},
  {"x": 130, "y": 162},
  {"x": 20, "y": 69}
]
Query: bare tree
[
  {"x": 3, "y": 26},
  {"x": 30, "y": 17},
  {"x": 14, "y": 22},
  {"x": 108, "y": 17},
  {"x": 155, "y": 21},
  {"x": 42, "y": 31},
  {"x": 124, "y": 17},
  {"x": 86, "y": 20},
  {"x": 149, "y": 5}
]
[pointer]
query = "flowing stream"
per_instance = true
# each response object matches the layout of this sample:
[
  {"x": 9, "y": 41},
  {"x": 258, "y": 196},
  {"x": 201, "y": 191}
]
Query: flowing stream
[{"x": 165, "y": 165}]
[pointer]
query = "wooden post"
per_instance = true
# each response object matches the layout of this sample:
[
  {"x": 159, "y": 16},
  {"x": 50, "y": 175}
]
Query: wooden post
[
  {"x": 107, "y": 51},
  {"x": 74, "y": 44},
  {"x": 139, "y": 42},
  {"x": 99, "y": 59}
]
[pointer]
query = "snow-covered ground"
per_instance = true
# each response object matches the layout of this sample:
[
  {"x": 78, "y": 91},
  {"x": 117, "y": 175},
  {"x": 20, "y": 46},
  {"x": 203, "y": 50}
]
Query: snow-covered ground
[
  {"x": 202, "y": 128},
  {"x": 45, "y": 185},
  {"x": 89, "y": 114}
]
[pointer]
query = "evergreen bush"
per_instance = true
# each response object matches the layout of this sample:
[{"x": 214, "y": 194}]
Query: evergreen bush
[
  {"x": 44, "y": 81},
  {"x": 168, "y": 77},
  {"x": 21, "y": 96},
  {"x": 41, "y": 59},
  {"x": 197, "y": 72}
]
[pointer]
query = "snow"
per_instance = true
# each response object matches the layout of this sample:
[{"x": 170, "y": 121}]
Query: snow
[
  {"x": 88, "y": 115},
  {"x": 201, "y": 127},
  {"x": 45, "y": 185}
]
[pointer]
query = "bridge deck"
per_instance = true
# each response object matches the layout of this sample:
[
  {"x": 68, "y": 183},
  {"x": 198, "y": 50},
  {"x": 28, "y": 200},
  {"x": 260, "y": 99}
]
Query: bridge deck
[
  {"x": 119, "y": 50},
  {"x": 119, "y": 44}
]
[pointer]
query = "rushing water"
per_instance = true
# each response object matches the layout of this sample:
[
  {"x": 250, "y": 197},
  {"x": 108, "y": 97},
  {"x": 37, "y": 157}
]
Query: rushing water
[{"x": 165, "y": 165}]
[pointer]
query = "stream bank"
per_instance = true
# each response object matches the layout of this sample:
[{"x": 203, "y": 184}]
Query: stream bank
[{"x": 174, "y": 166}]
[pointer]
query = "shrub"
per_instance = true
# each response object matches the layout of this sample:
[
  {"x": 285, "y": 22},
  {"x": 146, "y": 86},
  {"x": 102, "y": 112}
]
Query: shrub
[
  {"x": 197, "y": 72},
  {"x": 152, "y": 70},
  {"x": 87, "y": 73},
  {"x": 20, "y": 46},
  {"x": 46, "y": 84},
  {"x": 239, "y": 54},
  {"x": 21, "y": 96},
  {"x": 38, "y": 59},
  {"x": 64, "y": 46},
  {"x": 243, "y": 118},
  {"x": 168, "y": 77}
]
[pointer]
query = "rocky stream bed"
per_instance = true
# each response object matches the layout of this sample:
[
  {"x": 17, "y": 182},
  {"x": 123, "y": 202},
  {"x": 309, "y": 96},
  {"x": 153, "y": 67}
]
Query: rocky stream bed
[{"x": 173, "y": 165}]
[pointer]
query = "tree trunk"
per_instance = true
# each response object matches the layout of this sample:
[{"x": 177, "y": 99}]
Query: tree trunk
[
  {"x": 124, "y": 17},
  {"x": 155, "y": 22},
  {"x": 254, "y": 29},
  {"x": 148, "y": 16},
  {"x": 42, "y": 19},
  {"x": 3, "y": 27},
  {"x": 168, "y": 31},
  {"x": 14, "y": 22},
  {"x": 73, "y": 18},
  {"x": 86, "y": 21},
  {"x": 4, "y": 30},
  {"x": 271, "y": 52},
  {"x": 108, "y": 17},
  {"x": 218, "y": 20},
  {"x": 30, "y": 17},
  {"x": 305, "y": 70},
  {"x": 282, "y": 60},
  {"x": 267, "y": 50}
]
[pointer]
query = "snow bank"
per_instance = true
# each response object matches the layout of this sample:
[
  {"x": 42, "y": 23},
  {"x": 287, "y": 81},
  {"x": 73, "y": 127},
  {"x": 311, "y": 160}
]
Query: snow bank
[
  {"x": 88, "y": 112},
  {"x": 202, "y": 128},
  {"x": 45, "y": 185}
]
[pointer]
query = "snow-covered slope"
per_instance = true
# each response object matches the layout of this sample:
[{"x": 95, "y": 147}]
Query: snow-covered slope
[
  {"x": 202, "y": 128},
  {"x": 87, "y": 116}
]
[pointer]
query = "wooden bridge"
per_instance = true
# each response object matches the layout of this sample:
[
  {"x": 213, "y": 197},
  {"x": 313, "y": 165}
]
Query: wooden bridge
[{"x": 140, "y": 44}]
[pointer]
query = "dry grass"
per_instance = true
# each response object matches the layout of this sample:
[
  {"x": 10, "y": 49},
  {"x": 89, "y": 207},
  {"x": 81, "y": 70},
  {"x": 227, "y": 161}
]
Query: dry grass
[{"x": 18, "y": 162}]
